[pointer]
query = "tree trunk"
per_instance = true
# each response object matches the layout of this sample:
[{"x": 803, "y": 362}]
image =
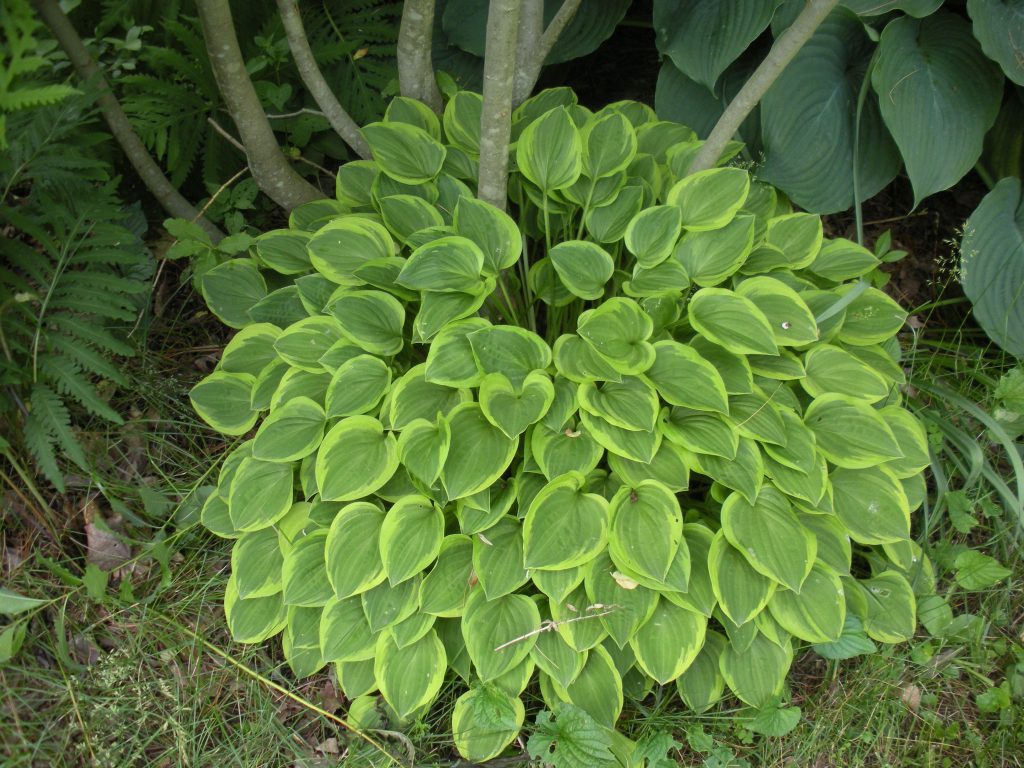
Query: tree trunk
[
  {"x": 156, "y": 182},
  {"x": 496, "y": 117},
  {"x": 415, "y": 64},
  {"x": 531, "y": 28},
  {"x": 269, "y": 167},
  {"x": 530, "y": 66}
]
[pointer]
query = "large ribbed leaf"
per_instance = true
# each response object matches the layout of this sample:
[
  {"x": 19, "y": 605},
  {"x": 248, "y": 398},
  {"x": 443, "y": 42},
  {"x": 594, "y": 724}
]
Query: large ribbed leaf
[{"x": 994, "y": 22}]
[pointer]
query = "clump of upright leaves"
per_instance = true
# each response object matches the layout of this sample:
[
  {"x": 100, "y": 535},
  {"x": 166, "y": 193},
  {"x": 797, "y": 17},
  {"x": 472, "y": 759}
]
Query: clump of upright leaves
[{"x": 606, "y": 443}]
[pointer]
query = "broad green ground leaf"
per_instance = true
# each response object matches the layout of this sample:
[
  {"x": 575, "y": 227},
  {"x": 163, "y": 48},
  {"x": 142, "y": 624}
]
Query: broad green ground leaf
[
  {"x": 291, "y": 432},
  {"x": 406, "y": 153},
  {"x": 618, "y": 331},
  {"x": 356, "y": 458},
  {"x": 485, "y": 720},
  {"x": 770, "y": 536},
  {"x": 498, "y": 632},
  {"x": 410, "y": 537},
  {"x": 446, "y": 265},
  {"x": 12, "y": 603},
  {"x": 413, "y": 397},
  {"x": 891, "y": 609},
  {"x": 256, "y": 564},
  {"x": 598, "y": 688},
  {"x": 646, "y": 529},
  {"x": 652, "y": 234},
  {"x": 371, "y": 319},
  {"x": 493, "y": 231},
  {"x": 357, "y": 386},
  {"x": 701, "y": 684},
  {"x": 732, "y": 321},
  {"x": 446, "y": 587},
  {"x": 630, "y": 404},
  {"x": 261, "y": 494},
  {"x": 423, "y": 447},
  {"x": 498, "y": 558},
  {"x": 930, "y": 70},
  {"x": 304, "y": 573},
  {"x": 817, "y": 613},
  {"x": 741, "y": 591},
  {"x": 573, "y": 739},
  {"x": 757, "y": 674},
  {"x": 583, "y": 267},
  {"x": 711, "y": 257},
  {"x": 850, "y": 433},
  {"x": 514, "y": 352},
  {"x": 790, "y": 319},
  {"x": 450, "y": 360},
  {"x": 808, "y": 118},
  {"x": 340, "y": 247},
  {"x": 710, "y": 199},
  {"x": 609, "y": 145},
  {"x": 231, "y": 289},
  {"x": 992, "y": 264},
  {"x": 513, "y": 411},
  {"x": 250, "y": 350},
  {"x": 253, "y": 620},
  {"x": 478, "y": 453},
  {"x": 975, "y": 571},
  {"x": 665, "y": 661},
  {"x": 832, "y": 369},
  {"x": 992, "y": 21},
  {"x": 410, "y": 677},
  {"x": 222, "y": 400},
  {"x": 303, "y": 343},
  {"x": 344, "y": 632},
  {"x": 564, "y": 526},
  {"x": 683, "y": 377},
  {"x": 550, "y": 152}
]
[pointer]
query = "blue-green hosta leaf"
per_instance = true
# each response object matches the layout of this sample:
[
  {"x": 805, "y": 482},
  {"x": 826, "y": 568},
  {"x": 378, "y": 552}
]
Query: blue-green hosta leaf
[
  {"x": 550, "y": 152},
  {"x": 992, "y": 267},
  {"x": 618, "y": 331},
  {"x": 256, "y": 564},
  {"x": 284, "y": 251},
  {"x": 344, "y": 631},
  {"x": 446, "y": 587},
  {"x": 291, "y": 432},
  {"x": 993, "y": 20},
  {"x": 584, "y": 267},
  {"x": 609, "y": 145},
  {"x": 512, "y": 410},
  {"x": 832, "y": 369},
  {"x": 423, "y": 447},
  {"x": 683, "y": 377},
  {"x": 410, "y": 677},
  {"x": 741, "y": 591},
  {"x": 808, "y": 118},
  {"x": 770, "y": 536},
  {"x": 872, "y": 504},
  {"x": 250, "y": 350},
  {"x": 646, "y": 529},
  {"x": 732, "y": 321},
  {"x": 710, "y": 199},
  {"x": 222, "y": 400},
  {"x": 493, "y": 231},
  {"x": 818, "y": 612},
  {"x": 701, "y": 684},
  {"x": 757, "y": 674},
  {"x": 666, "y": 661},
  {"x": 498, "y": 558},
  {"x": 485, "y": 720},
  {"x": 499, "y": 633},
  {"x": 231, "y": 289},
  {"x": 410, "y": 537},
  {"x": 703, "y": 38},
  {"x": 414, "y": 397},
  {"x": 514, "y": 352},
  {"x": 355, "y": 459},
  {"x": 939, "y": 95},
  {"x": 406, "y": 153},
  {"x": 710, "y": 257},
  {"x": 891, "y": 611},
  {"x": 850, "y": 433},
  {"x": 479, "y": 452},
  {"x": 304, "y": 573},
  {"x": 302, "y": 344},
  {"x": 261, "y": 494},
  {"x": 373, "y": 320},
  {"x": 253, "y": 620},
  {"x": 564, "y": 526},
  {"x": 340, "y": 247},
  {"x": 791, "y": 320}
]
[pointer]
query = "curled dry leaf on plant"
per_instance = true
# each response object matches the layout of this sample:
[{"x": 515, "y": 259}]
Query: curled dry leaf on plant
[{"x": 633, "y": 436}]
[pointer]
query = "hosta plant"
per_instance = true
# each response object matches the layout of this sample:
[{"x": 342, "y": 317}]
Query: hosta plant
[{"x": 642, "y": 433}]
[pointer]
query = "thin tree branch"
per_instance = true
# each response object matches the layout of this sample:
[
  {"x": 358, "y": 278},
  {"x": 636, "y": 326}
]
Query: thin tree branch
[
  {"x": 531, "y": 28},
  {"x": 415, "y": 64},
  {"x": 533, "y": 64},
  {"x": 781, "y": 53},
  {"x": 311, "y": 75},
  {"x": 269, "y": 167},
  {"x": 117, "y": 121},
  {"x": 496, "y": 117}
]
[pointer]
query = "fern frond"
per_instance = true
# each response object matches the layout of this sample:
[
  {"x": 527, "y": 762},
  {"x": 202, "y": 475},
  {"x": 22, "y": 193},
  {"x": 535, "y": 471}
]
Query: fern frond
[
  {"x": 88, "y": 333},
  {"x": 70, "y": 382},
  {"x": 87, "y": 358},
  {"x": 40, "y": 444},
  {"x": 39, "y": 96},
  {"x": 92, "y": 305},
  {"x": 47, "y": 406}
]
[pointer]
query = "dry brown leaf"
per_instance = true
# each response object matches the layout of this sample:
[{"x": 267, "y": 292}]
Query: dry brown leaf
[
  {"x": 103, "y": 548},
  {"x": 911, "y": 696}
]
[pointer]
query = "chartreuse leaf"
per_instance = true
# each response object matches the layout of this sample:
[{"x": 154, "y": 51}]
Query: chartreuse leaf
[
  {"x": 462, "y": 121},
  {"x": 757, "y": 674},
  {"x": 356, "y": 678},
  {"x": 413, "y": 397},
  {"x": 446, "y": 587},
  {"x": 406, "y": 153},
  {"x": 482, "y": 510},
  {"x": 618, "y": 331},
  {"x": 741, "y": 591},
  {"x": 872, "y": 504},
  {"x": 372, "y": 319},
  {"x": 291, "y": 432},
  {"x": 891, "y": 609},
  {"x": 352, "y": 551},
  {"x": 344, "y": 631},
  {"x": 683, "y": 377},
  {"x": 833, "y": 369},
  {"x": 550, "y": 152},
  {"x": 790, "y": 318},
  {"x": 710, "y": 257},
  {"x": 340, "y": 247},
  {"x": 622, "y": 611},
  {"x": 514, "y": 352},
  {"x": 255, "y": 619},
  {"x": 556, "y": 658},
  {"x": 817, "y": 613},
  {"x": 450, "y": 360},
  {"x": 355, "y": 459},
  {"x": 512, "y": 410},
  {"x": 231, "y": 289},
  {"x": 303, "y": 343},
  {"x": 584, "y": 267},
  {"x": 423, "y": 447},
  {"x": 485, "y": 720},
  {"x": 701, "y": 684},
  {"x": 571, "y": 449},
  {"x": 929, "y": 70},
  {"x": 299, "y": 383},
  {"x": 478, "y": 453},
  {"x": 564, "y": 526},
  {"x": 798, "y": 236},
  {"x": 406, "y": 214},
  {"x": 609, "y": 145},
  {"x": 850, "y": 433},
  {"x": 410, "y": 537},
  {"x": 256, "y": 564},
  {"x": 250, "y": 350},
  {"x": 222, "y": 400},
  {"x": 710, "y": 199},
  {"x": 912, "y": 439},
  {"x": 267, "y": 382},
  {"x": 669, "y": 467},
  {"x": 598, "y": 688},
  {"x": 386, "y": 606},
  {"x": 304, "y": 572},
  {"x": 646, "y": 529},
  {"x": 499, "y": 633},
  {"x": 498, "y": 558},
  {"x": 357, "y": 386},
  {"x": 701, "y": 432},
  {"x": 631, "y": 404},
  {"x": 732, "y": 321},
  {"x": 577, "y": 361},
  {"x": 261, "y": 494},
  {"x": 576, "y": 620},
  {"x": 493, "y": 231},
  {"x": 631, "y": 444},
  {"x": 665, "y": 661},
  {"x": 769, "y": 535},
  {"x": 284, "y": 251},
  {"x": 871, "y": 318},
  {"x": 409, "y": 677},
  {"x": 301, "y": 640},
  {"x": 743, "y": 473},
  {"x": 841, "y": 259},
  {"x": 446, "y": 265},
  {"x": 652, "y": 234}
]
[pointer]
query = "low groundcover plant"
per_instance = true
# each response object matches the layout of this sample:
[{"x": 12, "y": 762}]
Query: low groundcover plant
[{"x": 648, "y": 431}]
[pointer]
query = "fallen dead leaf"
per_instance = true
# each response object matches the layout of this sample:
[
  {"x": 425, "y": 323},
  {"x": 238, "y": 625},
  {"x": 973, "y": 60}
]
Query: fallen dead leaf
[
  {"x": 103, "y": 548},
  {"x": 911, "y": 696}
]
